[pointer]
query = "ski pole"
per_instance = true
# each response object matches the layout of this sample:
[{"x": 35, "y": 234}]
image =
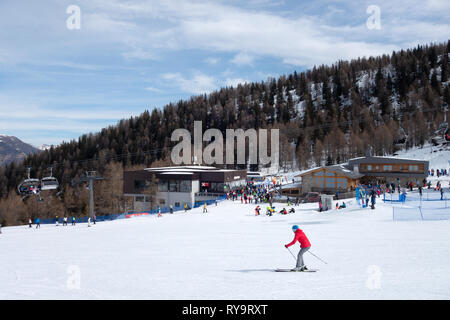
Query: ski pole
[
  {"x": 317, "y": 257},
  {"x": 291, "y": 253}
]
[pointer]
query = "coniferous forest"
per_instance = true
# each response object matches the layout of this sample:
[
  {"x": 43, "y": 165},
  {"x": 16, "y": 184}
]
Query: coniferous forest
[{"x": 326, "y": 115}]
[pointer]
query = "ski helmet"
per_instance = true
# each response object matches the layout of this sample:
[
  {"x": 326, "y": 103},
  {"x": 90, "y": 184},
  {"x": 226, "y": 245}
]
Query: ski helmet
[{"x": 294, "y": 228}]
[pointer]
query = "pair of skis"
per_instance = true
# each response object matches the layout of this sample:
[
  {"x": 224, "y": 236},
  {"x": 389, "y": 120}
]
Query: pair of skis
[{"x": 294, "y": 270}]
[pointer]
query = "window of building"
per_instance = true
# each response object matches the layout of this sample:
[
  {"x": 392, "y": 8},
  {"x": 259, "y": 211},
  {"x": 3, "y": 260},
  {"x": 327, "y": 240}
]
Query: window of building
[
  {"x": 162, "y": 201},
  {"x": 369, "y": 167},
  {"x": 173, "y": 186},
  {"x": 319, "y": 182},
  {"x": 163, "y": 186},
  {"x": 177, "y": 204},
  {"x": 140, "y": 199},
  {"x": 387, "y": 167},
  {"x": 413, "y": 168},
  {"x": 141, "y": 184},
  {"x": 185, "y": 186},
  {"x": 330, "y": 182}
]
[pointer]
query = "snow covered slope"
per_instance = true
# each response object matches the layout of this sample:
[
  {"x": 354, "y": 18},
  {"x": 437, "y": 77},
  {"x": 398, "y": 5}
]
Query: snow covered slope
[
  {"x": 438, "y": 156},
  {"x": 228, "y": 253}
]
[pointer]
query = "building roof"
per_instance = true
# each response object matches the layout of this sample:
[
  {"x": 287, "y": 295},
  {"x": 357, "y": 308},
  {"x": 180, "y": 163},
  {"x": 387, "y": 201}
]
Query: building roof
[
  {"x": 306, "y": 171},
  {"x": 373, "y": 159},
  {"x": 187, "y": 169},
  {"x": 177, "y": 172},
  {"x": 291, "y": 185},
  {"x": 344, "y": 171},
  {"x": 341, "y": 169},
  {"x": 182, "y": 168}
]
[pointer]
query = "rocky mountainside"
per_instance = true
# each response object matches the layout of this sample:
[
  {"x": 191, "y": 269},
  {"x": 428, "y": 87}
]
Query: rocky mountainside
[{"x": 13, "y": 149}]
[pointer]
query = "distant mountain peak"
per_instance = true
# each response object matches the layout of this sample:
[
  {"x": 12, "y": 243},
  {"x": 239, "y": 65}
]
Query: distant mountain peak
[{"x": 43, "y": 147}]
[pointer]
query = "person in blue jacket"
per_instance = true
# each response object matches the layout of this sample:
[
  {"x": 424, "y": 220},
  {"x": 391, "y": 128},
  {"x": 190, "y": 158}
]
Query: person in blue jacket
[{"x": 38, "y": 223}]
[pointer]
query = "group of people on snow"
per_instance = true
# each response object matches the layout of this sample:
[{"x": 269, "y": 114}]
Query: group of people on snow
[
  {"x": 37, "y": 221},
  {"x": 439, "y": 172}
]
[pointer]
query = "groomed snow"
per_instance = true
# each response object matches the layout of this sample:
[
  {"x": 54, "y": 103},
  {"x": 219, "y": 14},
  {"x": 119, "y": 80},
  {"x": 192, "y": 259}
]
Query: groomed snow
[{"x": 228, "y": 253}]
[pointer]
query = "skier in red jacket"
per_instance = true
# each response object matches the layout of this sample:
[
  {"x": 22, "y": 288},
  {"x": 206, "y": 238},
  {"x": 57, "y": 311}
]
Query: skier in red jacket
[{"x": 304, "y": 246}]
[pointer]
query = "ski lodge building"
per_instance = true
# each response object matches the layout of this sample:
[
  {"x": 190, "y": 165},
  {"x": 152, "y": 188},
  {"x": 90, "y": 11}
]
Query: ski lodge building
[
  {"x": 180, "y": 185},
  {"x": 345, "y": 177}
]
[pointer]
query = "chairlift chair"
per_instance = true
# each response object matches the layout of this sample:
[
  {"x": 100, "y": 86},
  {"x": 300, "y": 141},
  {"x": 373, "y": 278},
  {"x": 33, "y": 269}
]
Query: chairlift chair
[
  {"x": 49, "y": 183},
  {"x": 29, "y": 186},
  {"x": 400, "y": 142},
  {"x": 442, "y": 135}
]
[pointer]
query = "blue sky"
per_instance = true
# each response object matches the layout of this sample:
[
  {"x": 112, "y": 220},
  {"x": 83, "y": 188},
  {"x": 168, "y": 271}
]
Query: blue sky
[{"x": 129, "y": 56}]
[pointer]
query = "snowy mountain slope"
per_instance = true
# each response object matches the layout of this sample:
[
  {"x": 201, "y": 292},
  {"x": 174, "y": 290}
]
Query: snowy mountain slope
[
  {"x": 228, "y": 253},
  {"x": 438, "y": 156}
]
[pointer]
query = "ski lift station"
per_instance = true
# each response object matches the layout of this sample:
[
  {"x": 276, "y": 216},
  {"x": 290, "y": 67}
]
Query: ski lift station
[{"x": 176, "y": 186}]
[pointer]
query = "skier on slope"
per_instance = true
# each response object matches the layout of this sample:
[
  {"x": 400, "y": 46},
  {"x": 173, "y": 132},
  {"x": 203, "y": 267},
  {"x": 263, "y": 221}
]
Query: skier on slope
[{"x": 304, "y": 246}]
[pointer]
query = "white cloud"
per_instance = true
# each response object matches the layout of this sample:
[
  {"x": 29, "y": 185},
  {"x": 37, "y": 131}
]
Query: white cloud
[
  {"x": 31, "y": 112},
  {"x": 199, "y": 84},
  {"x": 139, "y": 54},
  {"x": 153, "y": 89},
  {"x": 212, "y": 60},
  {"x": 146, "y": 28},
  {"x": 243, "y": 58},
  {"x": 149, "y": 32}
]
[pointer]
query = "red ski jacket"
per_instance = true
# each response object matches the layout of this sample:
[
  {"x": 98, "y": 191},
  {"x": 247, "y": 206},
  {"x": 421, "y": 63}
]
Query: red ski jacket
[{"x": 300, "y": 237}]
